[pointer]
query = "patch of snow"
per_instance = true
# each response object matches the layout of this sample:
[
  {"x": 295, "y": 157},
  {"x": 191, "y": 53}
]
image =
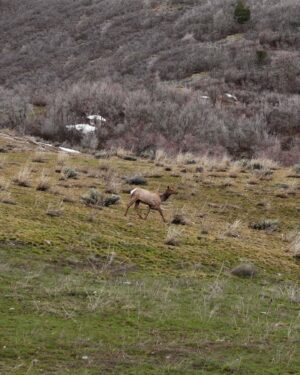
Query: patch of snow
[
  {"x": 69, "y": 150},
  {"x": 84, "y": 128},
  {"x": 230, "y": 96},
  {"x": 204, "y": 97},
  {"x": 96, "y": 118}
]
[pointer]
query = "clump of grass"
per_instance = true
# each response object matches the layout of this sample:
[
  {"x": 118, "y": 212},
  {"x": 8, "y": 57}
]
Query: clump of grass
[
  {"x": 23, "y": 178},
  {"x": 5, "y": 197},
  {"x": 103, "y": 154},
  {"x": 112, "y": 183},
  {"x": 296, "y": 168},
  {"x": 70, "y": 173},
  {"x": 211, "y": 163},
  {"x": 55, "y": 211},
  {"x": 281, "y": 194},
  {"x": 93, "y": 198},
  {"x": 2, "y": 162},
  {"x": 266, "y": 224},
  {"x": 125, "y": 154},
  {"x": 104, "y": 166},
  {"x": 68, "y": 199},
  {"x": 97, "y": 199},
  {"x": 160, "y": 156},
  {"x": 227, "y": 183},
  {"x": 4, "y": 185},
  {"x": 173, "y": 236},
  {"x": 234, "y": 170},
  {"x": 39, "y": 157},
  {"x": 62, "y": 158},
  {"x": 43, "y": 183},
  {"x": 233, "y": 229},
  {"x": 295, "y": 246},
  {"x": 113, "y": 199},
  {"x": 185, "y": 158}
]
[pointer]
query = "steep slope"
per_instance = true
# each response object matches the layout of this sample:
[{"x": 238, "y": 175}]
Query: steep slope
[{"x": 86, "y": 290}]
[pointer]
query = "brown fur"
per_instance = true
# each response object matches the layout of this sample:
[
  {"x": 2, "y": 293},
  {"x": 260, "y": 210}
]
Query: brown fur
[{"x": 152, "y": 200}]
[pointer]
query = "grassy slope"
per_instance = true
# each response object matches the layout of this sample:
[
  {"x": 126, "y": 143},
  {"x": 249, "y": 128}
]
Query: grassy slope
[{"x": 66, "y": 308}]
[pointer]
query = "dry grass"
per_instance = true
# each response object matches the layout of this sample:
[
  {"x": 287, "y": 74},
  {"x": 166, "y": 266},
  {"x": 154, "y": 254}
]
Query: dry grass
[
  {"x": 262, "y": 163},
  {"x": 161, "y": 157},
  {"x": 62, "y": 158},
  {"x": 232, "y": 229},
  {"x": 295, "y": 246},
  {"x": 23, "y": 177},
  {"x": 55, "y": 210},
  {"x": 174, "y": 236},
  {"x": 39, "y": 157},
  {"x": 43, "y": 182},
  {"x": 4, "y": 184},
  {"x": 2, "y": 162},
  {"x": 112, "y": 182},
  {"x": 6, "y": 197}
]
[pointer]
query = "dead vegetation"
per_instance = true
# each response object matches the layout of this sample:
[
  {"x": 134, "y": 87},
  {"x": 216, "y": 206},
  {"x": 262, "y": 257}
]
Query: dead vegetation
[{"x": 23, "y": 178}]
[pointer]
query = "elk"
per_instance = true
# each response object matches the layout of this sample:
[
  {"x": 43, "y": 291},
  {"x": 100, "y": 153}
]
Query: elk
[{"x": 152, "y": 200}]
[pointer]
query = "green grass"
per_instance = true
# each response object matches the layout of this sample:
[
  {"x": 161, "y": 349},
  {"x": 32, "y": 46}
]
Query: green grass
[{"x": 92, "y": 292}]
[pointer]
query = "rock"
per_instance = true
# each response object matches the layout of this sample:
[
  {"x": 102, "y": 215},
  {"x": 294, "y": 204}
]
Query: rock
[
  {"x": 136, "y": 180},
  {"x": 244, "y": 270}
]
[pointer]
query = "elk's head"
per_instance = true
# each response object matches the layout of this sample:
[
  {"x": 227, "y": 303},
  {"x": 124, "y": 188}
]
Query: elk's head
[{"x": 170, "y": 191}]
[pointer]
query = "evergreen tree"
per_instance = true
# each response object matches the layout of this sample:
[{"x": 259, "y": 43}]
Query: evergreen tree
[{"x": 242, "y": 12}]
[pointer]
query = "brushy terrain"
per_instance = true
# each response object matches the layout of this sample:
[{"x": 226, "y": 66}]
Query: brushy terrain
[
  {"x": 85, "y": 290},
  {"x": 158, "y": 71}
]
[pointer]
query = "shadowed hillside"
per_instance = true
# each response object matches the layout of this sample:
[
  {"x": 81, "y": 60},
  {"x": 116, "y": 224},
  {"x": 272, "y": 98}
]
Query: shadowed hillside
[{"x": 146, "y": 65}]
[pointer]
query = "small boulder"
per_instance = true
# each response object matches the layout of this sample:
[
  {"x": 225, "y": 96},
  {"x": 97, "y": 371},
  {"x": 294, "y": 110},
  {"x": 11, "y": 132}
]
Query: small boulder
[
  {"x": 136, "y": 180},
  {"x": 244, "y": 270}
]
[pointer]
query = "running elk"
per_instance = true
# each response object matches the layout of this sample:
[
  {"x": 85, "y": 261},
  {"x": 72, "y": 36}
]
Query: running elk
[{"x": 152, "y": 200}]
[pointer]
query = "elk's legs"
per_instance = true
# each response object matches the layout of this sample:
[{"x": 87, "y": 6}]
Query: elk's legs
[
  {"x": 136, "y": 207},
  {"x": 161, "y": 214},
  {"x": 149, "y": 208},
  {"x": 129, "y": 205}
]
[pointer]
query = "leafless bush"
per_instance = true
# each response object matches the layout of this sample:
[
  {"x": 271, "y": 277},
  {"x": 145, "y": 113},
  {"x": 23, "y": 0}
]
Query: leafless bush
[{"x": 197, "y": 48}]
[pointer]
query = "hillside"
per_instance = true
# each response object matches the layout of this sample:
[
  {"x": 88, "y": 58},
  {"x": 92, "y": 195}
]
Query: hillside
[
  {"x": 146, "y": 65},
  {"x": 86, "y": 290}
]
